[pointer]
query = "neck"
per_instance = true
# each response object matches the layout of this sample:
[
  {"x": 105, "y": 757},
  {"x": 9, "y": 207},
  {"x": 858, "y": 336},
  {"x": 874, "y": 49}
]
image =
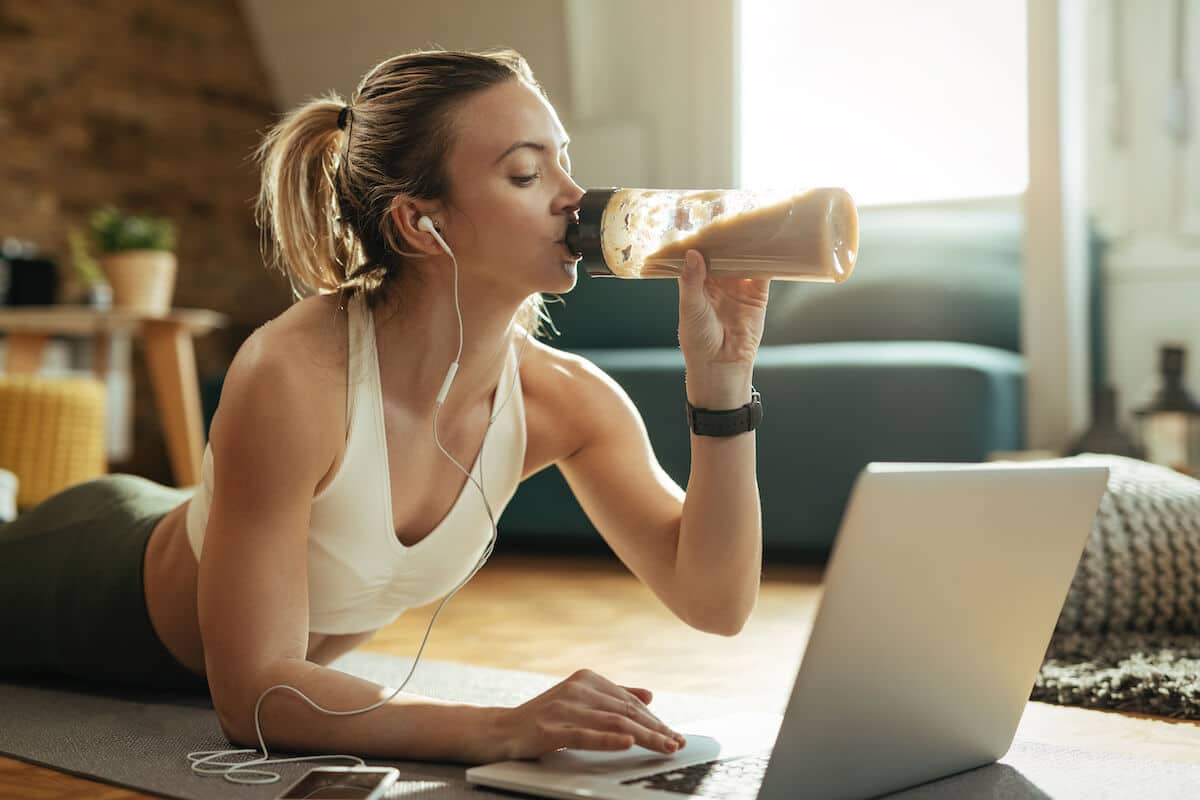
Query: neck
[{"x": 416, "y": 346}]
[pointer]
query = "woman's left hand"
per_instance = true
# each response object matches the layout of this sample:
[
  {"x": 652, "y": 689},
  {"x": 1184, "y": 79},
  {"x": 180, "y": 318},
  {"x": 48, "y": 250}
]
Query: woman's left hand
[{"x": 720, "y": 319}]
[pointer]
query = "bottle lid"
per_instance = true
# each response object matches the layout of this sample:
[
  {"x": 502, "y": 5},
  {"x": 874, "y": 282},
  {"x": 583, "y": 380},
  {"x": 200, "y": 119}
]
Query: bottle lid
[{"x": 585, "y": 237}]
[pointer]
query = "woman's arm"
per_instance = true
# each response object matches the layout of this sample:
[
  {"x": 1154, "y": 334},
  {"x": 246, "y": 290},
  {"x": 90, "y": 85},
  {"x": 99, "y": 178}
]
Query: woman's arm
[
  {"x": 268, "y": 456},
  {"x": 719, "y": 559},
  {"x": 720, "y": 541},
  {"x": 699, "y": 551}
]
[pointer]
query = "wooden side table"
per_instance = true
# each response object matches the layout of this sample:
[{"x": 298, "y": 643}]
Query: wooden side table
[{"x": 170, "y": 357}]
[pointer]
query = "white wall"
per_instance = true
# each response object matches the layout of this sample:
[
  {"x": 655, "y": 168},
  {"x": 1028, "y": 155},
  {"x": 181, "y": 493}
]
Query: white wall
[
  {"x": 653, "y": 91},
  {"x": 1144, "y": 170},
  {"x": 645, "y": 90},
  {"x": 310, "y": 46}
]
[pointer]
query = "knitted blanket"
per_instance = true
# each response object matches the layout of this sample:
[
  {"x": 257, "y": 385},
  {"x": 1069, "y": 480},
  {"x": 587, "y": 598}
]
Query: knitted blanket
[{"x": 1128, "y": 637}]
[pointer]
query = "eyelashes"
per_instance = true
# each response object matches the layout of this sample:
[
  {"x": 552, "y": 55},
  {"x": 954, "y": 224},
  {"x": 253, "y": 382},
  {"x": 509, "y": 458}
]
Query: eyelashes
[{"x": 527, "y": 180}]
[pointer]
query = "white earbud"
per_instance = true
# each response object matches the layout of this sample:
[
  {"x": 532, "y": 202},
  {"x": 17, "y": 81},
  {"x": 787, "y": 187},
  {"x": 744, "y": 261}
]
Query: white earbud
[{"x": 426, "y": 224}]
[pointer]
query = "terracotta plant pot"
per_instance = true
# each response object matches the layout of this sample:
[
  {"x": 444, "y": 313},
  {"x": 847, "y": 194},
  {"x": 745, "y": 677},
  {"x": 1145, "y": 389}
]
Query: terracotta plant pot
[{"x": 143, "y": 280}]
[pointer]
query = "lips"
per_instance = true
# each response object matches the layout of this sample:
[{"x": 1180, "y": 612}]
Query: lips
[{"x": 570, "y": 254}]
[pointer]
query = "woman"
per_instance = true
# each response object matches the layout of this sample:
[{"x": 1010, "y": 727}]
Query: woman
[{"x": 334, "y": 494}]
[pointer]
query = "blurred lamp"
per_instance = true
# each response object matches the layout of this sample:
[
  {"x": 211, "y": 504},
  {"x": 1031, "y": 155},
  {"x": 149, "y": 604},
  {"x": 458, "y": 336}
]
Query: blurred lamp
[{"x": 1169, "y": 426}]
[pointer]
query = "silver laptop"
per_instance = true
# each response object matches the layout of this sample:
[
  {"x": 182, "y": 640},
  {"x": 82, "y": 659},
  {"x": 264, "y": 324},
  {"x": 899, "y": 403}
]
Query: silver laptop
[{"x": 941, "y": 594}]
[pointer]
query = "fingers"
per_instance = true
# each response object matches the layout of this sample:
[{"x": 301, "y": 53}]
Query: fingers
[
  {"x": 583, "y": 739},
  {"x": 691, "y": 287},
  {"x": 633, "y": 710},
  {"x": 588, "y": 711},
  {"x": 645, "y": 695},
  {"x": 650, "y": 736}
]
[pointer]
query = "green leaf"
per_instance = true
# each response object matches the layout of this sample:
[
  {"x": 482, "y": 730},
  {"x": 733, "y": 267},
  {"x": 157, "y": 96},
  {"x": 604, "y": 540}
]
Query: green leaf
[{"x": 114, "y": 231}]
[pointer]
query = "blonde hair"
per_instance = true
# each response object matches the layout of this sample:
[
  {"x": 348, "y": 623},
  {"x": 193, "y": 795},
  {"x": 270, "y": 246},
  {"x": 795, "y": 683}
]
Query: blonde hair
[{"x": 324, "y": 204}]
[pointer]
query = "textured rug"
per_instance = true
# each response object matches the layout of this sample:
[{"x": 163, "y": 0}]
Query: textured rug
[
  {"x": 139, "y": 739},
  {"x": 1128, "y": 637},
  {"x": 1133, "y": 672}
]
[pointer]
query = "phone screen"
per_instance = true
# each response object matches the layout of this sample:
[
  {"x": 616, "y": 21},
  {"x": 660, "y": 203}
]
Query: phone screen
[{"x": 328, "y": 785}]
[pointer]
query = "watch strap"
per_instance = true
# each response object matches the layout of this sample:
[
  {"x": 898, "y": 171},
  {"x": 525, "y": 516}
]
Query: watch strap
[{"x": 731, "y": 422}]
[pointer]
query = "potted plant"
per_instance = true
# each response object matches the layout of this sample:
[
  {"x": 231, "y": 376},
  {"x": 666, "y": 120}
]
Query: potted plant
[
  {"x": 136, "y": 255},
  {"x": 96, "y": 291}
]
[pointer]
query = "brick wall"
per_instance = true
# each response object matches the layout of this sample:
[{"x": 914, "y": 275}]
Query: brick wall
[{"x": 153, "y": 105}]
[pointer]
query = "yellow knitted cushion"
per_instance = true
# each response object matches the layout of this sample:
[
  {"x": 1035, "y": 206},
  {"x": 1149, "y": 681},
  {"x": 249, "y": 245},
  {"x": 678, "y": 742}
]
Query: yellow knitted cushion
[{"x": 51, "y": 433}]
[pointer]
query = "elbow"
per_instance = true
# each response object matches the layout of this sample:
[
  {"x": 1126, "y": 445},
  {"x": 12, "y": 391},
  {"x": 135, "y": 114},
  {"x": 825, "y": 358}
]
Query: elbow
[
  {"x": 235, "y": 712},
  {"x": 727, "y": 627},
  {"x": 235, "y": 715},
  {"x": 727, "y": 621},
  {"x": 232, "y": 726},
  {"x": 237, "y": 686}
]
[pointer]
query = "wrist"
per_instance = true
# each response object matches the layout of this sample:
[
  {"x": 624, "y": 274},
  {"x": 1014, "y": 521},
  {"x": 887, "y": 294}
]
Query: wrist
[
  {"x": 718, "y": 391},
  {"x": 488, "y": 740}
]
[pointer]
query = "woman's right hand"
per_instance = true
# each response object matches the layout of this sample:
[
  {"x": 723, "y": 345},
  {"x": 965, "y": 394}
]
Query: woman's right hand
[{"x": 584, "y": 712}]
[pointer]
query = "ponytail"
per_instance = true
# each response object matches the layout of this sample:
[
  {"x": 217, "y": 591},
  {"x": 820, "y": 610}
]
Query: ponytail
[{"x": 303, "y": 235}]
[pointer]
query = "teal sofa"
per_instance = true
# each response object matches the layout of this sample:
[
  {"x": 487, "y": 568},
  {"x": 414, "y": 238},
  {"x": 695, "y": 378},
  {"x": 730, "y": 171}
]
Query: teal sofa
[{"x": 915, "y": 358}]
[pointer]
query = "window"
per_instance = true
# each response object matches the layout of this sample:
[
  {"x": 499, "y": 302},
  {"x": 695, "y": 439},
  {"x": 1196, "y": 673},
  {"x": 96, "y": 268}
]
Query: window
[{"x": 895, "y": 101}]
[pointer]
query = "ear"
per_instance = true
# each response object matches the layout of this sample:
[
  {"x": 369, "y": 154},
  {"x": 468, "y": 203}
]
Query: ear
[{"x": 405, "y": 212}]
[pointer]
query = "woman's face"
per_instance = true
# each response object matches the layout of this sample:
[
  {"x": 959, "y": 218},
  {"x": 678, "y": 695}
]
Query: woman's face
[{"x": 511, "y": 192}]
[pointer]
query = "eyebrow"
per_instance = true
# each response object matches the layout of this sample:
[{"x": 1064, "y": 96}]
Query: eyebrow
[{"x": 541, "y": 148}]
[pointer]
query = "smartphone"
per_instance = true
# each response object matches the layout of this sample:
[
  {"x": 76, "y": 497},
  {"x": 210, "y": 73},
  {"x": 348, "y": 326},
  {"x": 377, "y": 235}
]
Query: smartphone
[{"x": 348, "y": 783}]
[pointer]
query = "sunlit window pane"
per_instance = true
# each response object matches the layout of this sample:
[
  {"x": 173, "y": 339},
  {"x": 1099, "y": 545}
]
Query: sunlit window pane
[{"x": 896, "y": 101}]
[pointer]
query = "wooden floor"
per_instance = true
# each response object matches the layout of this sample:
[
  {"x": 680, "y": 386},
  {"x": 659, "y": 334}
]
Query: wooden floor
[{"x": 556, "y": 614}]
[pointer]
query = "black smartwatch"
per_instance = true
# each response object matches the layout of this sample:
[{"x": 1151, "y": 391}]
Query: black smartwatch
[{"x": 707, "y": 422}]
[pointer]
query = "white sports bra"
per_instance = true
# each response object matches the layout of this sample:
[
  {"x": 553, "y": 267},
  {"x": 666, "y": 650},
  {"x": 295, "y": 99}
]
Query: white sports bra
[{"x": 360, "y": 576}]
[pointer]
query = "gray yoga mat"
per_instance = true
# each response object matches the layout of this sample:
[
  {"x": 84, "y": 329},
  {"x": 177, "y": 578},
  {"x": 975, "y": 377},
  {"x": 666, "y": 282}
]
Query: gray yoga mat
[{"x": 139, "y": 739}]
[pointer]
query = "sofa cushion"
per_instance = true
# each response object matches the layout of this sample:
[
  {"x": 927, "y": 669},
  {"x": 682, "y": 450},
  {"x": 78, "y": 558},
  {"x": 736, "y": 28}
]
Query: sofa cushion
[
  {"x": 617, "y": 312},
  {"x": 970, "y": 303},
  {"x": 922, "y": 274}
]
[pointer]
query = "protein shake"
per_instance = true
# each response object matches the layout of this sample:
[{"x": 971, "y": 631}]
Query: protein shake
[{"x": 644, "y": 233}]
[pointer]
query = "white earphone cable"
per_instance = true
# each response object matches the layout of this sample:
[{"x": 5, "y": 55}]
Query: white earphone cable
[{"x": 199, "y": 759}]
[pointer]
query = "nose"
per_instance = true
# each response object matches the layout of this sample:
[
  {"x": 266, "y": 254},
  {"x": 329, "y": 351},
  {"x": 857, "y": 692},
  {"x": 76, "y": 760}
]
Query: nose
[{"x": 572, "y": 197}]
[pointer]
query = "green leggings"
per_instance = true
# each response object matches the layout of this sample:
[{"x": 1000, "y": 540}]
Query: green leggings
[{"x": 72, "y": 602}]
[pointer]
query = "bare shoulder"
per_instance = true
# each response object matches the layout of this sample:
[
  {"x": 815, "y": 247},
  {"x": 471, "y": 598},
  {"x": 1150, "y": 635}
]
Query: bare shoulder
[
  {"x": 565, "y": 394},
  {"x": 561, "y": 371},
  {"x": 294, "y": 362},
  {"x": 309, "y": 335}
]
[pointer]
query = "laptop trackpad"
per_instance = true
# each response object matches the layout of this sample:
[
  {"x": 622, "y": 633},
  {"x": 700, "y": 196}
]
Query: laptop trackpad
[
  {"x": 729, "y": 736},
  {"x": 636, "y": 759}
]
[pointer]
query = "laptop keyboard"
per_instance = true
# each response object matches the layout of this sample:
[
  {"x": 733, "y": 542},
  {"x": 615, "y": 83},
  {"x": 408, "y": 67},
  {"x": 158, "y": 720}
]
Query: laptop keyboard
[{"x": 734, "y": 779}]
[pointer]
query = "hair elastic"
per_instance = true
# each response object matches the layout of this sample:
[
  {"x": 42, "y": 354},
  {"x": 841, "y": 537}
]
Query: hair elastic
[{"x": 342, "y": 116}]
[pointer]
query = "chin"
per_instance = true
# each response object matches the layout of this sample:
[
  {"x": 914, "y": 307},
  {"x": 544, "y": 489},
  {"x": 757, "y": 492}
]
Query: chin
[
  {"x": 570, "y": 273},
  {"x": 564, "y": 274}
]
